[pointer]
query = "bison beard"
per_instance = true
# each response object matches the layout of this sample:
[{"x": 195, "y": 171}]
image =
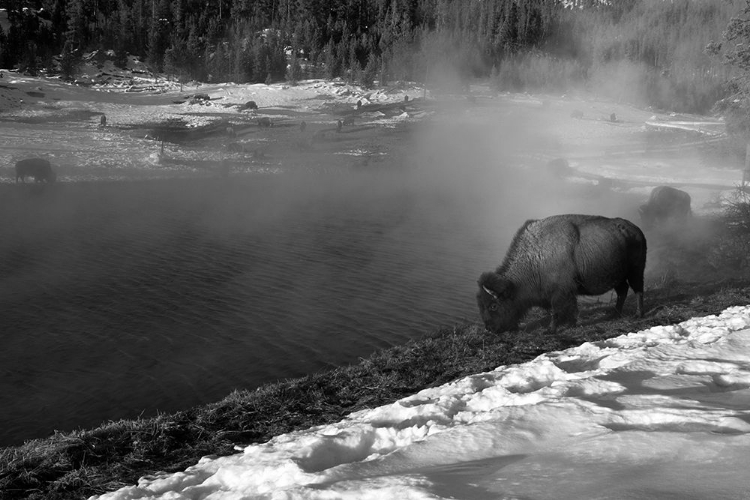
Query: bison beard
[{"x": 552, "y": 261}]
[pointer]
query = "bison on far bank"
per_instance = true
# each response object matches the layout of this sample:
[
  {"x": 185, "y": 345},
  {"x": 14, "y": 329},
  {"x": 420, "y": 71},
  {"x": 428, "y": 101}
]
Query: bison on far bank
[
  {"x": 551, "y": 261},
  {"x": 665, "y": 205},
  {"x": 38, "y": 168}
]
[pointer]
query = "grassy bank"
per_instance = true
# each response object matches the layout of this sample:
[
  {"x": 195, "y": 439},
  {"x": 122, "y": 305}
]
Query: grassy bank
[{"x": 692, "y": 278}]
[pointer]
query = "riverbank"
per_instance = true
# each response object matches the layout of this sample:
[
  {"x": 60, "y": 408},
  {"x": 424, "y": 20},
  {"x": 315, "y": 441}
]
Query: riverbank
[
  {"x": 78, "y": 464},
  {"x": 75, "y": 465}
]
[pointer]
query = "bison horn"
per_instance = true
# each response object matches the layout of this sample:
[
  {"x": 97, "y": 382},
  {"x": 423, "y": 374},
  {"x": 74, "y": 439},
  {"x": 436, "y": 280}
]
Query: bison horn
[{"x": 490, "y": 292}]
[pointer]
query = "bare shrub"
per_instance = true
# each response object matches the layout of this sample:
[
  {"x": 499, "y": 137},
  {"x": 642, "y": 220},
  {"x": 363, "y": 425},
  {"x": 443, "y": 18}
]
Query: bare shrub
[{"x": 732, "y": 248}]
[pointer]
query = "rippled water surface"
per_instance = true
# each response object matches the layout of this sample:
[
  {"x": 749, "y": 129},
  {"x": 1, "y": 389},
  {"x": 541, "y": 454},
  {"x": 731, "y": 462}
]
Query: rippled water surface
[
  {"x": 137, "y": 285},
  {"x": 119, "y": 298}
]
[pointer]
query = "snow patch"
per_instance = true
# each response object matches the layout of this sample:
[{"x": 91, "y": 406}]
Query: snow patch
[{"x": 676, "y": 394}]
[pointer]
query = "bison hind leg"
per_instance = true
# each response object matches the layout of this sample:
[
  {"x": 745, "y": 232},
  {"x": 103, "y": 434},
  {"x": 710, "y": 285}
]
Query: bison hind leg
[
  {"x": 635, "y": 280},
  {"x": 622, "y": 293}
]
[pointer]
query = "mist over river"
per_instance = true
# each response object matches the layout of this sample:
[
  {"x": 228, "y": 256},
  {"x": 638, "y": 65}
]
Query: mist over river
[
  {"x": 130, "y": 288},
  {"x": 119, "y": 295}
]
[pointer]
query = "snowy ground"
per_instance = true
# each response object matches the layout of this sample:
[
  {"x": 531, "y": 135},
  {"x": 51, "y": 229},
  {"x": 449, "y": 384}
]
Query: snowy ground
[
  {"x": 49, "y": 118},
  {"x": 662, "y": 413}
]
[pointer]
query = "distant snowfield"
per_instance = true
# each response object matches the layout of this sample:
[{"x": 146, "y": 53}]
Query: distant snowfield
[
  {"x": 595, "y": 146},
  {"x": 661, "y": 413}
]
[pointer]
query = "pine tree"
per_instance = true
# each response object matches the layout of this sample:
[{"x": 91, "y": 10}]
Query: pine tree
[
  {"x": 77, "y": 33},
  {"x": 367, "y": 77},
  {"x": 294, "y": 73},
  {"x": 69, "y": 61},
  {"x": 736, "y": 106}
]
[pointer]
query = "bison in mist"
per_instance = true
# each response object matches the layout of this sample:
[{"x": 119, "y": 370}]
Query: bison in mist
[
  {"x": 666, "y": 204},
  {"x": 559, "y": 167},
  {"x": 38, "y": 168},
  {"x": 551, "y": 261}
]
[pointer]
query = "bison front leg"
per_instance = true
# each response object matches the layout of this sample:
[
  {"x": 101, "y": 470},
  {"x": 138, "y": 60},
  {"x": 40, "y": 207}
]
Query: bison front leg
[
  {"x": 564, "y": 308},
  {"x": 639, "y": 304}
]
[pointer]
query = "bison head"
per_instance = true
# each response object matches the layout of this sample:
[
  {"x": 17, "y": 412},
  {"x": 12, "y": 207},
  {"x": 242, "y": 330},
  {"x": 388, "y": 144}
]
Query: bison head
[{"x": 496, "y": 303}]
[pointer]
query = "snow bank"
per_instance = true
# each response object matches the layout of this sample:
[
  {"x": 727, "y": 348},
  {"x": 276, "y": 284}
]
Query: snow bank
[{"x": 661, "y": 412}]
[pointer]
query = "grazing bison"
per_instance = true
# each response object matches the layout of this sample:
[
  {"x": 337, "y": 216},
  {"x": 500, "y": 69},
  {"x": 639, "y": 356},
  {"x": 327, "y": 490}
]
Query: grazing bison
[
  {"x": 265, "y": 122},
  {"x": 551, "y": 261},
  {"x": 666, "y": 204},
  {"x": 39, "y": 169}
]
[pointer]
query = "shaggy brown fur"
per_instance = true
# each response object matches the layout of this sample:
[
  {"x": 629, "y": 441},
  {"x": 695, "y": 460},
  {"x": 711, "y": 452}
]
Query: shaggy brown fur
[
  {"x": 37, "y": 168},
  {"x": 552, "y": 261},
  {"x": 666, "y": 204}
]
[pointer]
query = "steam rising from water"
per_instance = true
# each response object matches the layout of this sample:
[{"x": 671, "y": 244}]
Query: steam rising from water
[{"x": 178, "y": 291}]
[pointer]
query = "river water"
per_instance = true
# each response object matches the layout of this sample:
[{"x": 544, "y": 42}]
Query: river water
[
  {"x": 125, "y": 298},
  {"x": 131, "y": 288}
]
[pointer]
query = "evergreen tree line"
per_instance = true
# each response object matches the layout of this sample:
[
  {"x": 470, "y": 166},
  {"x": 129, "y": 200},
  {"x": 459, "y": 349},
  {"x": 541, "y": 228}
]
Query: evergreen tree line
[{"x": 654, "y": 49}]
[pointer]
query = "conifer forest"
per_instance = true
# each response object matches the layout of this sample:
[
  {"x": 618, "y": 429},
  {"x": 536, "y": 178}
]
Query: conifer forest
[{"x": 520, "y": 44}]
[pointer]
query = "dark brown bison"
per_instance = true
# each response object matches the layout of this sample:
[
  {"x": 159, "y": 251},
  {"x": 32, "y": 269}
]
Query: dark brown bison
[
  {"x": 39, "y": 169},
  {"x": 265, "y": 122},
  {"x": 551, "y": 261},
  {"x": 665, "y": 205}
]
